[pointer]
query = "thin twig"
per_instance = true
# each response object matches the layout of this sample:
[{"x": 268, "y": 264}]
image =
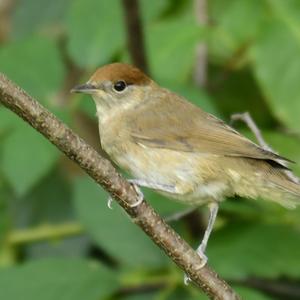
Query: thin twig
[
  {"x": 6, "y": 7},
  {"x": 278, "y": 288},
  {"x": 102, "y": 171},
  {"x": 247, "y": 119},
  {"x": 200, "y": 73}
]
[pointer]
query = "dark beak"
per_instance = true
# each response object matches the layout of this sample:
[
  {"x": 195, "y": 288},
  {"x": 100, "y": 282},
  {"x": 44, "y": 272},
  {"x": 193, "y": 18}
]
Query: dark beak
[{"x": 85, "y": 88}]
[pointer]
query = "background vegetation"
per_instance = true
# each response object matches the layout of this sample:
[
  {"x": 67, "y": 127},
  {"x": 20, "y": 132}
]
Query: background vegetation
[{"x": 58, "y": 240}]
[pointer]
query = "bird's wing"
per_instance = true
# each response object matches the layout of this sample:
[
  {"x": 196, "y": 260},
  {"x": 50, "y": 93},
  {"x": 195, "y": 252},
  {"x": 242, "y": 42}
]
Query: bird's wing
[{"x": 179, "y": 125}]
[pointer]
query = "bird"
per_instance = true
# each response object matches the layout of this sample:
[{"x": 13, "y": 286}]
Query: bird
[{"x": 172, "y": 146}]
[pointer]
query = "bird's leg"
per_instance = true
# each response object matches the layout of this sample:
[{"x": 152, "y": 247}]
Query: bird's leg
[
  {"x": 213, "y": 211},
  {"x": 143, "y": 183}
]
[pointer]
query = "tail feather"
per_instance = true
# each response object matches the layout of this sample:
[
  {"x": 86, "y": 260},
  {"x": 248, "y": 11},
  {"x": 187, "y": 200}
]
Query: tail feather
[{"x": 284, "y": 190}]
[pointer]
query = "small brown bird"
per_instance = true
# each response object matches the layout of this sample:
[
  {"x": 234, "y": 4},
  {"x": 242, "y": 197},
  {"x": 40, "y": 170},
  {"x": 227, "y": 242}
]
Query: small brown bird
[{"x": 172, "y": 146}]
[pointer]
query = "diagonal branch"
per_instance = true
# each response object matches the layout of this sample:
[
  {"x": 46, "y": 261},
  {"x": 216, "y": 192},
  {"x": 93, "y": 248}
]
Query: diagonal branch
[{"x": 102, "y": 171}]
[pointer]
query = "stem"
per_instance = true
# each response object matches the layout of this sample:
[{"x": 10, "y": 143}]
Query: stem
[
  {"x": 135, "y": 36},
  {"x": 44, "y": 232}
]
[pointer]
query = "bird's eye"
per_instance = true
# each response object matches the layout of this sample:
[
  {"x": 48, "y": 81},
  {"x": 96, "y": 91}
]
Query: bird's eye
[{"x": 120, "y": 86}]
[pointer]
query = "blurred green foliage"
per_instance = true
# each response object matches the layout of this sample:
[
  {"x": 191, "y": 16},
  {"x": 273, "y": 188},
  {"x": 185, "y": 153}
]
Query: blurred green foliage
[{"x": 253, "y": 65}]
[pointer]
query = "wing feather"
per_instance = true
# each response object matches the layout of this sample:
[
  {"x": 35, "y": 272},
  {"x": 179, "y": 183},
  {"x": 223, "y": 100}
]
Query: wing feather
[{"x": 180, "y": 126}]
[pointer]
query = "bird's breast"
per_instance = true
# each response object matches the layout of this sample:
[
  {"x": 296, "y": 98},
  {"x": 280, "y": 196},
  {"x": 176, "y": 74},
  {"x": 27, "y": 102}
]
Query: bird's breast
[{"x": 192, "y": 175}]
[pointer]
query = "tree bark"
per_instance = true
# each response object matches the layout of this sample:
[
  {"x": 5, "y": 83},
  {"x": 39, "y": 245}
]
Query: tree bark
[{"x": 135, "y": 36}]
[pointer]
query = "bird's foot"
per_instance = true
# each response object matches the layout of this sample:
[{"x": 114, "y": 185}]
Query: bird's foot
[
  {"x": 200, "y": 252},
  {"x": 138, "y": 191}
]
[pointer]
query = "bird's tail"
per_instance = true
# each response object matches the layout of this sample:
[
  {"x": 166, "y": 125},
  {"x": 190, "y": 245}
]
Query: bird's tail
[
  {"x": 270, "y": 181},
  {"x": 281, "y": 188}
]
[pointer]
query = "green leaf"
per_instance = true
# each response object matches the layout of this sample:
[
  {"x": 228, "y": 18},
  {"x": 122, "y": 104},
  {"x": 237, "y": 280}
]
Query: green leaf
[
  {"x": 26, "y": 20},
  {"x": 112, "y": 229},
  {"x": 162, "y": 204},
  {"x": 48, "y": 202},
  {"x": 57, "y": 279},
  {"x": 239, "y": 92},
  {"x": 236, "y": 24},
  {"x": 171, "y": 48},
  {"x": 240, "y": 250},
  {"x": 287, "y": 11},
  {"x": 250, "y": 294},
  {"x": 26, "y": 158},
  {"x": 35, "y": 65},
  {"x": 287, "y": 146},
  {"x": 94, "y": 37},
  {"x": 276, "y": 64},
  {"x": 152, "y": 10},
  {"x": 179, "y": 293},
  {"x": 8, "y": 120},
  {"x": 85, "y": 104},
  {"x": 141, "y": 296}
]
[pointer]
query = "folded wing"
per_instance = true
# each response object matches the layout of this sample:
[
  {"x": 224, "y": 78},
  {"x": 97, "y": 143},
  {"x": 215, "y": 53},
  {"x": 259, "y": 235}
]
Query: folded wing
[{"x": 180, "y": 126}]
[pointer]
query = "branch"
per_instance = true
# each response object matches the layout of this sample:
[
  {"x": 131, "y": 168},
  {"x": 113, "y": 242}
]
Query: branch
[
  {"x": 247, "y": 119},
  {"x": 135, "y": 37},
  {"x": 201, "y": 68},
  {"x": 102, "y": 171}
]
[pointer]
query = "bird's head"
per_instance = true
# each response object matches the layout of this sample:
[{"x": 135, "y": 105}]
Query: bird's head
[{"x": 116, "y": 84}]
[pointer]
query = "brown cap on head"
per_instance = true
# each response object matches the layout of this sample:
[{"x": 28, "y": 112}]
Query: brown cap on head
[{"x": 119, "y": 71}]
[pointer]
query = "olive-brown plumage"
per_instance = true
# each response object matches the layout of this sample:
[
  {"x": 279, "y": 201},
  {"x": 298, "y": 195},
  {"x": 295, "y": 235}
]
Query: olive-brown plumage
[
  {"x": 176, "y": 148},
  {"x": 159, "y": 136}
]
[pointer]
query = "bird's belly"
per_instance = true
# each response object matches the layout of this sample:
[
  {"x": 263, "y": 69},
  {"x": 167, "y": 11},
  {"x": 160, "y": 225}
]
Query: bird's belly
[
  {"x": 203, "y": 194},
  {"x": 192, "y": 175}
]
